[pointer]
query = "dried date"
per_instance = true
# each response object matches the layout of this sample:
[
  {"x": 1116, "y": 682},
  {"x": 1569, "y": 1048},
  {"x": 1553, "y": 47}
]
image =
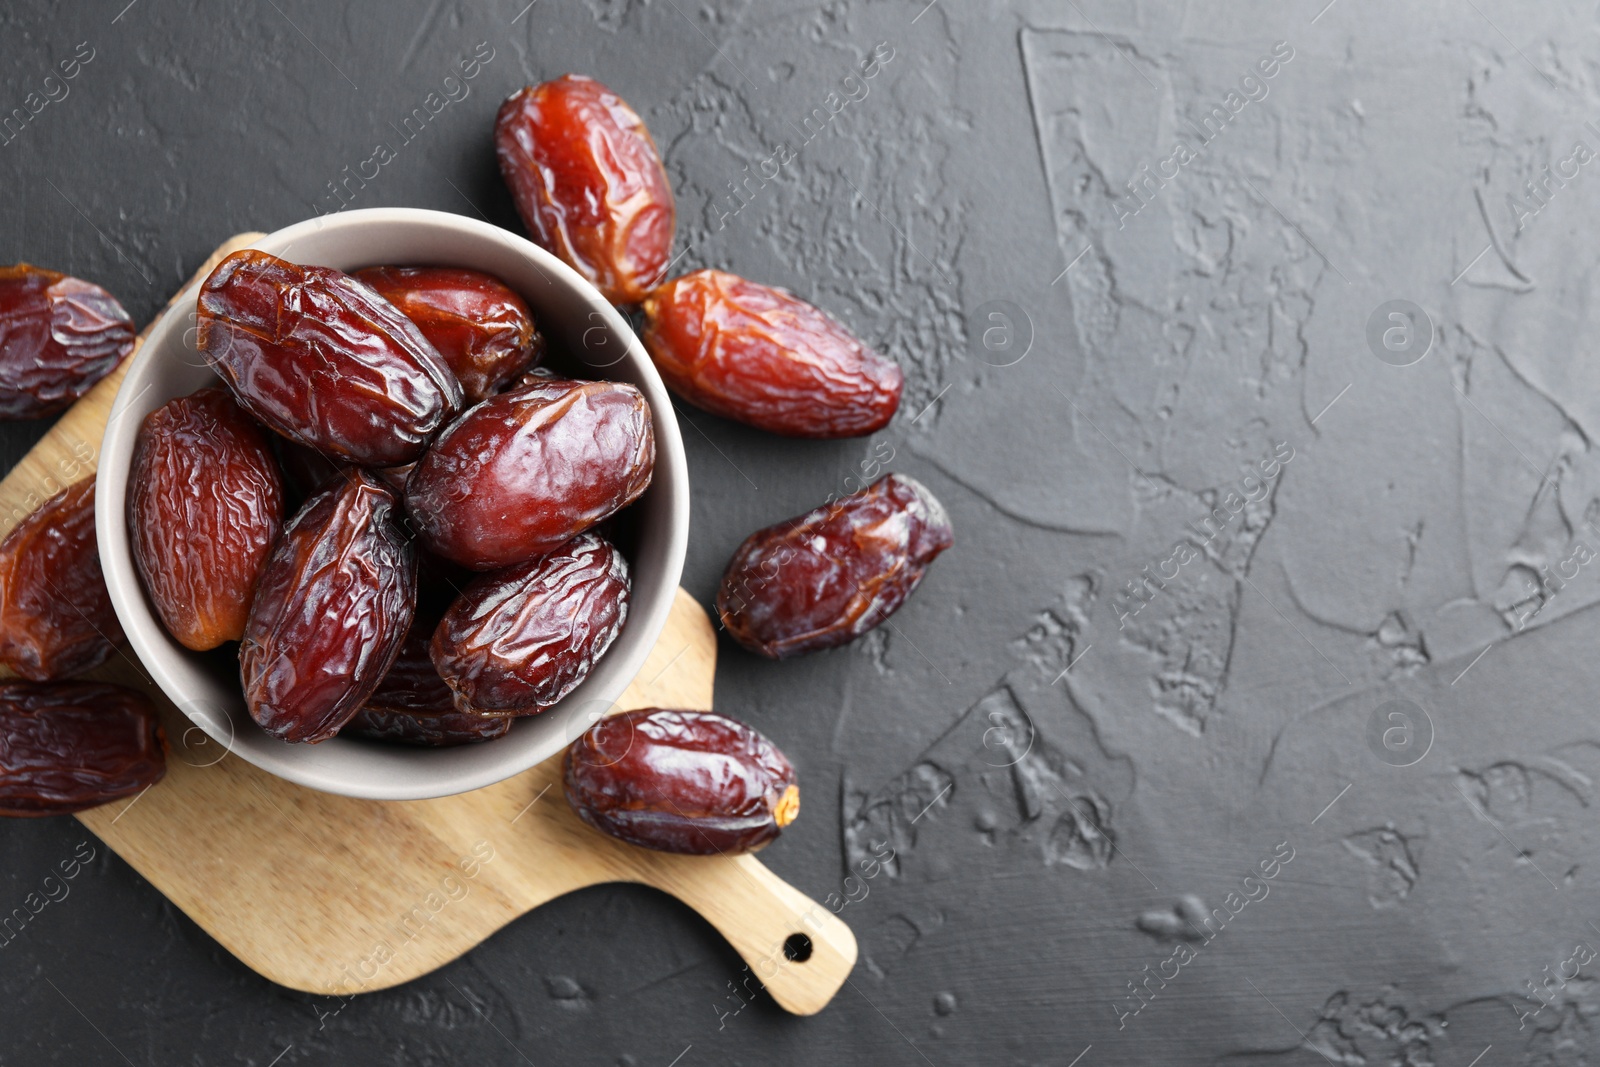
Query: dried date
[
  {"x": 832, "y": 574},
  {"x": 588, "y": 183},
  {"x": 205, "y": 505},
  {"x": 56, "y": 617},
  {"x": 681, "y": 781},
  {"x": 68, "y": 746},
  {"x": 331, "y": 610},
  {"x": 483, "y": 330},
  {"x": 58, "y": 336},
  {"x": 528, "y": 469},
  {"x": 414, "y": 706},
  {"x": 321, "y": 358},
  {"x": 519, "y": 640},
  {"x": 766, "y": 358}
]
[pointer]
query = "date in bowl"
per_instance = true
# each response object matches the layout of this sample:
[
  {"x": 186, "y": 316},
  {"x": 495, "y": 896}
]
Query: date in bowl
[{"x": 587, "y": 338}]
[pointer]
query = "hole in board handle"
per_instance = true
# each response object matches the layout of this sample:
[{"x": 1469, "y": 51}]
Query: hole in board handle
[{"x": 797, "y": 948}]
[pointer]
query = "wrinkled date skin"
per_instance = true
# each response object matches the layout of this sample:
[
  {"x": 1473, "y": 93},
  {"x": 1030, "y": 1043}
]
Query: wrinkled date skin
[
  {"x": 588, "y": 183},
  {"x": 830, "y": 575},
  {"x": 333, "y": 606},
  {"x": 681, "y": 781},
  {"x": 519, "y": 640},
  {"x": 483, "y": 330},
  {"x": 414, "y": 706},
  {"x": 67, "y": 746},
  {"x": 56, "y": 617},
  {"x": 58, "y": 336},
  {"x": 321, "y": 358},
  {"x": 766, "y": 358},
  {"x": 525, "y": 471},
  {"x": 205, "y": 505}
]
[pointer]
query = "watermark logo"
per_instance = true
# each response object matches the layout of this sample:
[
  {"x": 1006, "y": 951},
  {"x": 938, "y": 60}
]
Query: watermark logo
[
  {"x": 1230, "y": 502},
  {"x": 999, "y": 333},
  {"x": 343, "y": 189},
  {"x": 1194, "y": 136},
  {"x": 1400, "y": 733},
  {"x": 1399, "y": 332},
  {"x": 1008, "y": 738},
  {"x": 1201, "y": 929},
  {"x": 416, "y": 921},
  {"x": 601, "y": 348},
  {"x": 743, "y": 191},
  {"x": 1548, "y": 991},
  {"x": 608, "y": 737},
  {"x": 205, "y": 746},
  {"x": 51, "y": 90},
  {"x": 52, "y": 890}
]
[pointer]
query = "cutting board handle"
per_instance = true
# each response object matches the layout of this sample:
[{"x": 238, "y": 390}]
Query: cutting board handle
[{"x": 793, "y": 946}]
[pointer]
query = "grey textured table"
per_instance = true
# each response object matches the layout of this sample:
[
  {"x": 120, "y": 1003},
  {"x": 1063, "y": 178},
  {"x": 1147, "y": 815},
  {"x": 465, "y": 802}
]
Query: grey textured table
[{"x": 1249, "y": 345}]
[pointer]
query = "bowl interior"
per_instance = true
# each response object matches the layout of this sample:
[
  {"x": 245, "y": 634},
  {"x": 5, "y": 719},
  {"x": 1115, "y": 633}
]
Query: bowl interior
[{"x": 586, "y": 338}]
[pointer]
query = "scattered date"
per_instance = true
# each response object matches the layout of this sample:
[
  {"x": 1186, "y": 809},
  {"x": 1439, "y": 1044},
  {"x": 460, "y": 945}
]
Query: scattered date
[
  {"x": 321, "y": 358},
  {"x": 519, "y": 640},
  {"x": 525, "y": 471},
  {"x": 766, "y": 358},
  {"x": 56, "y": 617},
  {"x": 332, "y": 608},
  {"x": 681, "y": 781},
  {"x": 832, "y": 574},
  {"x": 58, "y": 336},
  {"x": 67, "y": 746},
  {"x": 588, "y": 183},
  {"x": 205, "y": 504}
]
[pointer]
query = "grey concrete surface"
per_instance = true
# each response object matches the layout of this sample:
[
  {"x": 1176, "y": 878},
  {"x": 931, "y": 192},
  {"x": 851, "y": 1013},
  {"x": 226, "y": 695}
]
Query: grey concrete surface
[{"x": 1249, "y": 345}]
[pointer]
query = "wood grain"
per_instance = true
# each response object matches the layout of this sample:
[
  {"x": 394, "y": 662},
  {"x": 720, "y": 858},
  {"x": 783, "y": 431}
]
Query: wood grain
[{"x": 338, "y": 896}]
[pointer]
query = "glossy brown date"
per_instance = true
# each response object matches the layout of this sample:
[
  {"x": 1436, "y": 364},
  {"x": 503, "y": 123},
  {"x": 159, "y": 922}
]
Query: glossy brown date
[
  {"x": 483, "y": 330},
  {"x": 519, "y": 640},
  {"x": 832, "y": 574},
  {"x": 56, "y": 617},
  {"x": 766, "y": 358},
  {"x": 321, "y": 358},
  {"x": 588, "y": 183},
  {"x": 58, "y": 336},
  {"x": 67, "y": 746},
  {"x": 205, "y": 504},
  {"x": 528, "y": 469},
  {"x": 681, "y": 781},
  {"x": 331, "y": 610},
  {"x": 414, "y": 706}
]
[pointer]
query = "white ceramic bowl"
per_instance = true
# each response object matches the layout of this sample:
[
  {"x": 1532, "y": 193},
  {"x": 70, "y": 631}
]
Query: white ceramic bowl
[{"x": 597, "y": 343}]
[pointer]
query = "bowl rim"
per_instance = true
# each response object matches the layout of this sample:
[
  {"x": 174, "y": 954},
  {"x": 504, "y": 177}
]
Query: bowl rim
[{"x": 155, "y": 649}]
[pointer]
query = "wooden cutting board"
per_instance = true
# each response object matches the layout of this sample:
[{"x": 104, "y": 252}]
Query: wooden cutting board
[{"x": 331, "y": 895}]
